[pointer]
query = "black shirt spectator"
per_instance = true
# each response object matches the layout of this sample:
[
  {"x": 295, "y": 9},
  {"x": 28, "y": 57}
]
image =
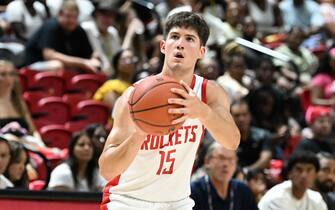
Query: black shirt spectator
[
  {"x": 250, "y": 149},
  {"x": 238, "y": 192},
  {"x": 51, "y": 35},
  {"x": 316, "y": 146}
]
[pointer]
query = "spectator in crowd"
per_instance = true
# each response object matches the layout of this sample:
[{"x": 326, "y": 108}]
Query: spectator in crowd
[
  {"x": 62, "y": 42},
  {"x": 265, "y": 73},
  {"x": 232, "y": 21},
  {"x": 302, "y": 58},
  {"x": 294, "y": 194},
  {"x": 17, "y": 168},
  {"x": 267, "y": 109},
  {"x": 266, "y": 14},
  {"x": 12, "y": 105},
  {"x": 98, "y": 134},
  {"x": 257, "y": 183},
  {"x": 327, "y": 10},
  {"x": 208, "y": 67},
  {"x": 79, "y": 172},
  {"x": 325, "y": 179},
  {"x": 164, "y": 7},
  {"x": 234, "y": 80},
  {"x": 255, "y": 150},
  {"x": 3, "y": 5},
  {"x": 124, "y": 63},
  {"x": 249, "y": 33},
  {"x": 319, "y": 120},
  {"x": 26, "y": 17},
  {"x": 85, "y": 7},
  {"x": 322, "y": 84},
  {"x": 4, "y": 161},
  {"x": 217, "y": 189},
  {"x": 103, "y": 36},
  {"x": 132, "y": 31},
  {"x": 304, "y": 14}
]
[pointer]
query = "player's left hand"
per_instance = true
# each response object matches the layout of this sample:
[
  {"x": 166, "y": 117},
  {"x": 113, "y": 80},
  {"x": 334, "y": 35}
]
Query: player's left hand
[{"x": 193, "y": 107}]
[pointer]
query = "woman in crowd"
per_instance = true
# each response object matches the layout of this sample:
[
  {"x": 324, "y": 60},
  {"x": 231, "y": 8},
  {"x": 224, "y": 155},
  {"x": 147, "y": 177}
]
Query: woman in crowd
[
  {"x": 124, "y": 63},
  {"x": 4, "y": 160},
  {"x": 79, "y": 172},
  {"x": 322, "y": 84},
  {"x": 12, "y": 105},
  {"x": 17, "y": 168}
]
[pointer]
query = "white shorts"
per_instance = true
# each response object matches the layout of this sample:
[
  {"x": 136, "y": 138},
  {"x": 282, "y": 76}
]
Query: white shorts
[{"x": 121, "y": 202}]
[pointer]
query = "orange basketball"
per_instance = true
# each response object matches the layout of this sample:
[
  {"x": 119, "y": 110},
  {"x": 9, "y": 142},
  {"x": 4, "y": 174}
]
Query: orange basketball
[{"x": 149, "y": 105}]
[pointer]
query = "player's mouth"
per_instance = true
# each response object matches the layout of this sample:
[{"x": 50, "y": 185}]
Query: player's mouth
[{"x": 179, "y": 55}]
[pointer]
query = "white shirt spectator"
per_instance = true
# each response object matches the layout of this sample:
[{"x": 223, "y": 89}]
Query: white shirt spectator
[
  {"x": 17, "y": 12},
  {"x": 85, "y": 8},
  {"x": 4, "y": 182},
  {"x": 305, "y": 16},
  {"x": 62, "y": 176},
  {"x": 106, "y": 46},
  {"x": 280, "y": 197}
]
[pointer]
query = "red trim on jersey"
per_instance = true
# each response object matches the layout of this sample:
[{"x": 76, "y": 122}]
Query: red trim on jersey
[
  {"x": 203, "y": 91},
  {"x": 200, "y": 142},
  {"x": 193, "y": 81},
  {"x": 106, "y": 193}
]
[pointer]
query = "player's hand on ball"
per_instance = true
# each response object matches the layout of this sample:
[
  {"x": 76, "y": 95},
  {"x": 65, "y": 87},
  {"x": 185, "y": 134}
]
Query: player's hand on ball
[{"x": 193, "y": 107}]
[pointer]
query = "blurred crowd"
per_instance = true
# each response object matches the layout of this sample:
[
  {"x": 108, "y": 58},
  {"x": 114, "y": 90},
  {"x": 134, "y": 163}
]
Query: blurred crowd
[{"x": 274, "y": 58}]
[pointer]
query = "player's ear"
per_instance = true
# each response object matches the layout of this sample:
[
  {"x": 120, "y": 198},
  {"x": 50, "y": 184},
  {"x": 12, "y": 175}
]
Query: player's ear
[
  {"x": 162, "y": 46},
  {"x": 202, "y": 52}
]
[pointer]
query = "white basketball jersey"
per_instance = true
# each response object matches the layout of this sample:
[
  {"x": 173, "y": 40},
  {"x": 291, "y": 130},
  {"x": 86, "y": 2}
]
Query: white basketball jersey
[{"x": 162, "y": 169}]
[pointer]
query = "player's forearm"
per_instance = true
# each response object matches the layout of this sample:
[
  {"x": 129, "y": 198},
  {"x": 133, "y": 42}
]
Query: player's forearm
[
  {"x": 116, "y": 158},
  {"x": 222, "y": 128}
]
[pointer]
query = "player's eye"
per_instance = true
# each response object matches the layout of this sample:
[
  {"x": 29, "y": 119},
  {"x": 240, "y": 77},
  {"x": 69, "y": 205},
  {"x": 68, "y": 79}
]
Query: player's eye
[{"x": 189, "y": 39}]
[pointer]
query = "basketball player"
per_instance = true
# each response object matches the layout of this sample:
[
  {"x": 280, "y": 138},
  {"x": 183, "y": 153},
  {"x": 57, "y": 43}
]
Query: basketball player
[{"x": 153, "y": 172}]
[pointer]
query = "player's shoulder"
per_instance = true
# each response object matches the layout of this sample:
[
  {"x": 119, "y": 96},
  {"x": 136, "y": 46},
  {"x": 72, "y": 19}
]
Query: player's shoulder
[{"x": 214, "y": 91}]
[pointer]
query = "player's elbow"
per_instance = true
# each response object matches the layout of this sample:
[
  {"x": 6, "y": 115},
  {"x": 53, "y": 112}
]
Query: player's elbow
[
  {"x": 235, "y": 140},
  {"x": 107, "y": 176},
  {"x": 104, "y": 170}
]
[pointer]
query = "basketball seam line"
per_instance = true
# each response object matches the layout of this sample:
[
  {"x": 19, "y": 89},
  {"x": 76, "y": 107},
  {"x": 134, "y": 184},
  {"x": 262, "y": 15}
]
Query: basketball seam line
[
  {"x": 146, "y": 91},
  {"x": 147, "y": 109},
  {"x": 156, "y": 125}
]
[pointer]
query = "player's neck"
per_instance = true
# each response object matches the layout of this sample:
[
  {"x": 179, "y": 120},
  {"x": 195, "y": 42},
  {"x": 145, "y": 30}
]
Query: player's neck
[{"x": 179, "y": 75}]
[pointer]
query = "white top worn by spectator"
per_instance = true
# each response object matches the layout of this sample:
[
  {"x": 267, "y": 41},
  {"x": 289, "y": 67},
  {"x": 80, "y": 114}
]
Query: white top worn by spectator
[
  {"x": 4, "y": 182},
  {"x": 305, "y": 16},
  {"x": 17, "y": 12},
  {"x": 104, "y": 45},
  {"x": 85, "y": 8},
  {"x": 280, "y": 197},
  {"x": 62, "y": 176}
]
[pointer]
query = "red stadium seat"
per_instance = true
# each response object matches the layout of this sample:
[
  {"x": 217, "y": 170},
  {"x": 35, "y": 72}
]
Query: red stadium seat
[
  {"x": 73, "y": 99},
  {"x": 29, "y": 75},
  {"x": 86, "y": 83},
  {"x": 52, "y": 82},
  {"x": 58, "y": 111},
  {"x": 32, "y": 98},
  {"x": 23, "y": 82},
  {"x": 56, "y": 136},
  {"x": 67, "y": 77},
  {"x": 76, "y": 125},
  {"x": 95, "y": 111}
]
